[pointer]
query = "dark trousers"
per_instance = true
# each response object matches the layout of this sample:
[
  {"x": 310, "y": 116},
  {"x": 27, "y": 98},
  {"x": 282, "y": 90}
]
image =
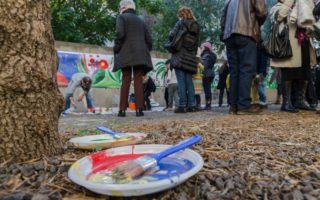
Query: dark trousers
[
  {"x": 125, "y": 87},
  {"x": 221, "y": 93},
  {"x": 206, "y": 83},
  {"x": 147, "y": 104},
  {"x": 197, "y": 98},
  {"x": 279, "y": 88},
  {"x": 242, "y": 58},
  {"x": 166, "y": 96},
  {"x": 311, "y": 95},
  {"x": 317, "y": 82}
]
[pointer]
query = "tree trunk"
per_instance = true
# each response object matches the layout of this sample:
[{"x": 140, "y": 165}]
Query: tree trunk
[{"x": 30, "y": 102}]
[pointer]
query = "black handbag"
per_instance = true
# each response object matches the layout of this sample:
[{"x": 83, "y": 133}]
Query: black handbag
[
  {"x": 174, "y": 44},
  {"x": 277, "y": 45},
  {"x": 186, "y": 61},
  {"x": 316, "y": 10}
]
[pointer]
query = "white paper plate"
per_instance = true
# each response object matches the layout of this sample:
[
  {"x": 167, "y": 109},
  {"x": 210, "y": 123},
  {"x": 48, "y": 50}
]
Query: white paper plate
[
  {"x": 104, "y": 141},
  {"x": 81, "y": 170}
]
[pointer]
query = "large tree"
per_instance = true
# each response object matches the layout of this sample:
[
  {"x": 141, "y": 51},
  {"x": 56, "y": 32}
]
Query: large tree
[
  {"x": 84, "y": 21},
  {"x": 30, "y": 102},
  {"x": 90, "y": 21}
]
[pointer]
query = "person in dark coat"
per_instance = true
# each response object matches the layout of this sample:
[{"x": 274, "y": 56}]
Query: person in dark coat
[
  {"x": 222, "y": 85},
  {"x": 316, "y": 10},
  {"x": 208, "y": 59},
  {"x": 184, "y": 59},
  {"x": 148, "y": 88},
  {"x": 133, "y": 44}
]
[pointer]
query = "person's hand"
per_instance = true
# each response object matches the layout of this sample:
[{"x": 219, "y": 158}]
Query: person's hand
[
  {"x": 289, "y": 3},
  {"x": 261, "y": 78},
  {"x": 81, "y": 97},
  {"x": 73, "y": 103}
]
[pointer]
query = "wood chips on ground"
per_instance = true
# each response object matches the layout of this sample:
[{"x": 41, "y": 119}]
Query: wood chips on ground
[{"x": 272, "y": 156}]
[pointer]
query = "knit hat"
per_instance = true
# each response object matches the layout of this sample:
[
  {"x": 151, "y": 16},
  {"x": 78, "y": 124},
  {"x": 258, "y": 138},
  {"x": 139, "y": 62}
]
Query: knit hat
[
  {"x": 127, "y": 4},
  {"x": 206, "y": 45}
]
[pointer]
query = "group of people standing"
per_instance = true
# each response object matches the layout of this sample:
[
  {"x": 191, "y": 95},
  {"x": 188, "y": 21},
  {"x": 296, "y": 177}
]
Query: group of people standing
[
  {"x": 132, "y": 55},
  {"x": 241, "y": 25},
  {"x": 245, "y": 26}
]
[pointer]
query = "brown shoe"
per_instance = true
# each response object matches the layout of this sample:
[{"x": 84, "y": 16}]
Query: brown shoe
[
  {"x": 233, "y": 110},
  {"x": 318, "y": 112},
  {"x": 250, "y": 111}
]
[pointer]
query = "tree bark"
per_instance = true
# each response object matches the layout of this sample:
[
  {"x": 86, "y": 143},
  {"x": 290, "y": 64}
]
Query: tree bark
[{"x": 30, "y": 101}]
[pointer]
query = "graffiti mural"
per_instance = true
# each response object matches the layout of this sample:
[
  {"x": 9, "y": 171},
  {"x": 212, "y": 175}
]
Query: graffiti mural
[{"x": 99, "y": 68}]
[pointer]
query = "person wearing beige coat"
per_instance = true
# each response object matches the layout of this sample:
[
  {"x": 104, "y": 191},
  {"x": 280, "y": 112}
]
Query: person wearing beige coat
[{"x": 297, "y": 68}]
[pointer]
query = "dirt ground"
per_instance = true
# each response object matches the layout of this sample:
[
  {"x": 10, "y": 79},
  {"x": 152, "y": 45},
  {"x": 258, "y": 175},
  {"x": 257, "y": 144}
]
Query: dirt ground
[{"x": 274, "y": 155}]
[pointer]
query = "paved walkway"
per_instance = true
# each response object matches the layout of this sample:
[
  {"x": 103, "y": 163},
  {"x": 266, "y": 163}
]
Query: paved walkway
[{"x": 90, "y": 121}]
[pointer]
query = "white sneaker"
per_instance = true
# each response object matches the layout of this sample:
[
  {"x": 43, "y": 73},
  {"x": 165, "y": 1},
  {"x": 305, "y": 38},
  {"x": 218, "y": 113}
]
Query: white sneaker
[
  {"x": 262, "y": 103},
  {"x": 154, "y": 103},
  {"x": 69, "y": 111}
]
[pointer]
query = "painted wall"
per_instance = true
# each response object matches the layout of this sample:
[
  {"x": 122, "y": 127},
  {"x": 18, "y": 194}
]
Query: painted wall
[
  {"x": 99, "y": 67},
  {"x": 97, "y": 61}
]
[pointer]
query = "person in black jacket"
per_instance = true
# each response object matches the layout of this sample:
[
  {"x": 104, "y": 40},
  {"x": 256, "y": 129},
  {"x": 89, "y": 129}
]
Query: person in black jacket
[
  {"x": 316, "y": 10},
  {"x": 184, "y": 59},
  {"x": 132, "y": 48},
  {"x": 208, "y": 59},
  {"x": 222, "y": 84},
  {"x": 148, "y": 88}
]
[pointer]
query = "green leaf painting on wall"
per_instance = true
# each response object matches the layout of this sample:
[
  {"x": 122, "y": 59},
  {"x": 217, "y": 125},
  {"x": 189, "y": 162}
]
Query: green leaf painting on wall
[
  {"x": 105, "y": 79},
  {"x": 160, "y": 68},
  {"x": 267, "y": 79},
  {"x": 81, "y": 65}
]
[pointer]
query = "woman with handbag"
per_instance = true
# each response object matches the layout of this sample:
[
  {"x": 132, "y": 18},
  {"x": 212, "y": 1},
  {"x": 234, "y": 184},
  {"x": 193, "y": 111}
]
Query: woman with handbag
[
  {"x": 295, "y": 67},
  {"x": 132, "y": 48},
  {"x": 183, "y": 44}
]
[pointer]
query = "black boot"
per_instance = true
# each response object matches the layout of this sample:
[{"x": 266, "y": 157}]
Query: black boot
[
  {"x": 180, "y": 110},
  {"x": 122, "y": 113},
  {"x": 286, "y": 99},
  {"x": 139, "y": 113},
  {"x": 208, "y": 104},
  {"x": 301, "y": 104}
]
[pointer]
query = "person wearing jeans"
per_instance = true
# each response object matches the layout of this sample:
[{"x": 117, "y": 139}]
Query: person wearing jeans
[
  {"x": 263, "y": 64},
  {"x": 261, "y": 91},
  {"x": 242, "y": 71},
  {"x": 183, "y": 59},
  {"x": 79, "y": 80},
  {"x": 240, "y": 27},
  {"x": 186, "y": 89}
]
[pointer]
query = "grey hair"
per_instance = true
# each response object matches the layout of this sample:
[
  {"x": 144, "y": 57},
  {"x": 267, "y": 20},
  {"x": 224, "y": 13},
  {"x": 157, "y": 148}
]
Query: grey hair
[{"x": 127, "y": 4}]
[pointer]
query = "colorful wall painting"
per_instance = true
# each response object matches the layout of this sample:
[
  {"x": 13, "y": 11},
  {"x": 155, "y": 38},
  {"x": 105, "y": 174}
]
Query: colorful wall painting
[{"x": 99, "y": 67}]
